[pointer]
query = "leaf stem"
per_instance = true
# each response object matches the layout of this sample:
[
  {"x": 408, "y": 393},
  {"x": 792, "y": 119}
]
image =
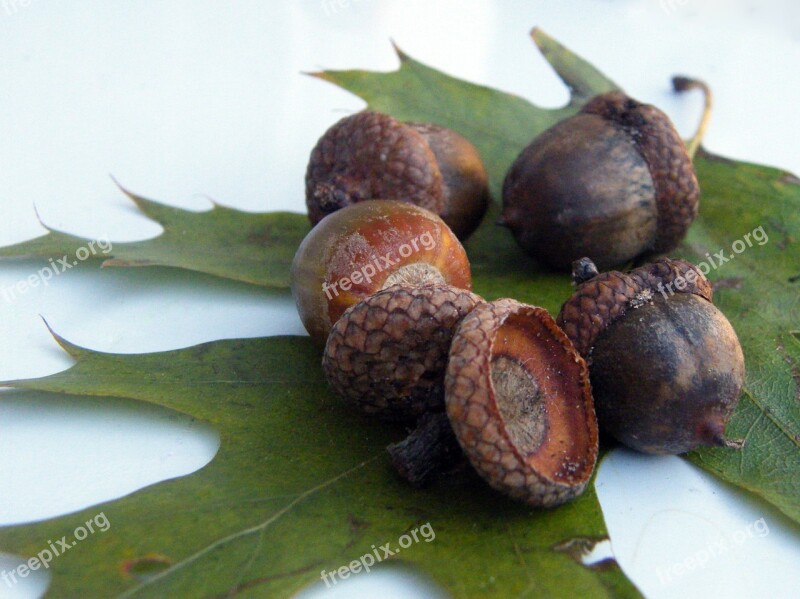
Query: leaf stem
[{"x": 681, "y": 84}]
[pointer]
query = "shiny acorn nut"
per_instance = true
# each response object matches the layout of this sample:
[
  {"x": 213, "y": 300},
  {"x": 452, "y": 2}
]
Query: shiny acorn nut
[
  {"x": 387, "y": 354},
  {"x": 370, "y": 155},
  {"x": 613, "y": 182},
  {"x": 364, "y": 248},
  {"x": 666, "y": 365},
  {"x": 519, "y": 400}
]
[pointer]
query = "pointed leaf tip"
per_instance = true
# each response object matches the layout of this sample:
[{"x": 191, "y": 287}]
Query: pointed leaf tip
[
  {"x": 580, "y": 76},
  {"x": 39, "y": 218},
  {"x": 141, "y": 203},
  {"x": 400, "y": 54},
  {"x": 316, "y": 74},
  {"x": 124, "y": 189},
  {"x": 539, "y": 36},
  {"x": 73, "y": 350}
]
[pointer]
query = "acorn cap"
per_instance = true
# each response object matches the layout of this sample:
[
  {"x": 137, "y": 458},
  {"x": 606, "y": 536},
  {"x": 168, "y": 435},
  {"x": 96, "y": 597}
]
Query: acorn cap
[
  {"x": 387, "y": 354},
  {"x": 674, "y": 180},
  {"x": 343, "y": 164},
  {"x": 520, "y": 403},
  {"x": 600, "y": 299}
]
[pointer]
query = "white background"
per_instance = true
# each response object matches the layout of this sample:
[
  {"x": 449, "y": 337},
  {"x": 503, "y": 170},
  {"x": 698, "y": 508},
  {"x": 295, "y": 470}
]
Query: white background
[{"x": 182, "y": 101}]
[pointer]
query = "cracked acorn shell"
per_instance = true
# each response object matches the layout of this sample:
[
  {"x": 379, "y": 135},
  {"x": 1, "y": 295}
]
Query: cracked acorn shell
[
  {"x": 370, "y": 246},
  {"x": 520, "y": 403},
  {"x": 612, "y": 182},
  {"x": 666, "y": 365},
  {"x": 387, "y": 354},
  {"x": 372, "y": 156}
]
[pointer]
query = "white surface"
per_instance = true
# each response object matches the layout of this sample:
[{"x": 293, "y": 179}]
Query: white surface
[
  {"x": 187, "y": 100},
  {"x": 680, "y": 533}
]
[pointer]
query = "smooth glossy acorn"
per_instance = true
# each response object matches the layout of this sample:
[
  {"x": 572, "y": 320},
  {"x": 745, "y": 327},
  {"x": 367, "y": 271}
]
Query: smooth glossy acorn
[{"x": 362, "y": 249}]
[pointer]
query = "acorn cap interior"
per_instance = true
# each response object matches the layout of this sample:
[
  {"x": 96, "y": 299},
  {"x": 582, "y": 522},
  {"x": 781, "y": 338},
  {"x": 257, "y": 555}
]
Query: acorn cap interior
[
  {"x": 518, "y": 398},
  {"x": 539, "y": 389}
]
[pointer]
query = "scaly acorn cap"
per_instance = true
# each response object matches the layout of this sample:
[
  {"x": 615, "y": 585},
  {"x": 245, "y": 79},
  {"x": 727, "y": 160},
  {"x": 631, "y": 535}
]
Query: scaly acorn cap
[
  {"x": 674, "y": 180},
  {"x": 520, "y": 403},
  {"x": 600, "y": 299},
  {"x": 387, "y": 354},
  {"x": 343, "y": 165}
]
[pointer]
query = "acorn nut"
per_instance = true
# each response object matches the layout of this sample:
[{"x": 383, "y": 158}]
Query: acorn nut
[
  {"x": 370, "y": 155},
  {"x": 612, "y": 182},
  {"x": 387, "y": 354},
  {"x": 366, "y": 247},
  {"x": 666, "y": 365},
  {"x": 520, "y": 403}
]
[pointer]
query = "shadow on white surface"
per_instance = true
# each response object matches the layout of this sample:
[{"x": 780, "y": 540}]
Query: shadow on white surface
[
  {"x": 386, "y": 582},
  {"x": 30, "y": 587},
  {"x": 65, "y": 453},
  {"x": 677, "y": 531}
]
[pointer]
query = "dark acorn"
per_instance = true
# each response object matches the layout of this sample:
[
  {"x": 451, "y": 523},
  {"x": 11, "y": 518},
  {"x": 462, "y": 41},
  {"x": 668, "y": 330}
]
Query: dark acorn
[
  {"x": 666, "y": 366},
  {"x": 613, "y": 182}
]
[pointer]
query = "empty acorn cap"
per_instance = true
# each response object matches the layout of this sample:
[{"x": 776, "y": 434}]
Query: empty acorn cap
[{"x": 519, "y": 400}]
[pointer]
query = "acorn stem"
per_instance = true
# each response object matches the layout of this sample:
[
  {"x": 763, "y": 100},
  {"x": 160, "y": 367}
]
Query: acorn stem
[
  {"x": 583, "y": 270},
  {"x": 716, "y": 437},
  {"x": 682, "y": 84},
  {"x": 324, "y": 193},
  {"x": 429, "y": 451}
]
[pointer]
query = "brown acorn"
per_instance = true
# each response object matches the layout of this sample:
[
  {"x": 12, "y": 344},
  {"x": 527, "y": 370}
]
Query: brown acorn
[
  {"x": 666, "y": 365},
  {"x": 612, "y": 182},
  {"x": 519, "y": 400},
  {"x": 387, "y": 354},
  {"x": 371, "y": 155},
  {"x": 367, "y": 247}
]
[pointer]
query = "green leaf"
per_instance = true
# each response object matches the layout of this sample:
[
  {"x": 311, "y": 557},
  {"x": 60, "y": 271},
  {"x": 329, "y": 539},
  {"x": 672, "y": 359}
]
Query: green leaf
[
  {"x": 295, "y": 469},
  {"x": 299, "y": 485},
  {"x": 757, "y": 210},
  {"x": 253, "y": 248}
]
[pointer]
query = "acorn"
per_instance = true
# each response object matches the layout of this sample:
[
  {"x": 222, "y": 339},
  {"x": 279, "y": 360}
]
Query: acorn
[
  {"x": 666, "y": 366},
  {"x": 365, "y": 248},
  {"x": 519, "y": 401},
  {"x": 387, "y": 354},
  {"x": 370, "y": 155},
  {"x": 613, "y": 182}
]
